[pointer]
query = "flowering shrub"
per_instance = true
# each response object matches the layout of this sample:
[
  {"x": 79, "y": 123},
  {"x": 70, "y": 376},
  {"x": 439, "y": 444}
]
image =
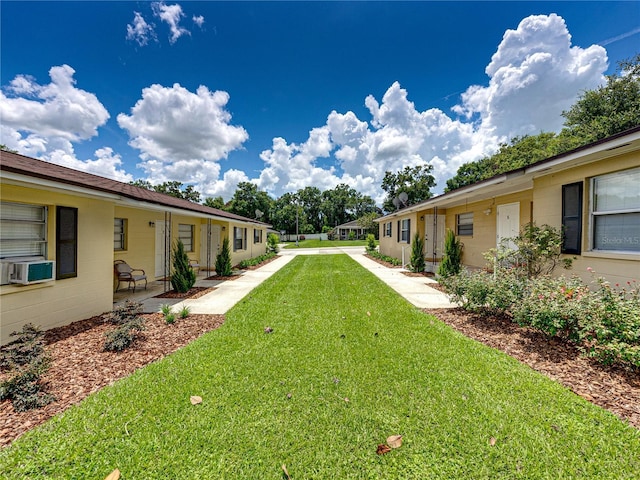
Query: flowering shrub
[
  {"x": 555, "y": 306},
  {"x": 604, "y": 321}
]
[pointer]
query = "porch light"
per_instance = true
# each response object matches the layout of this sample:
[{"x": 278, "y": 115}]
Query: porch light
[
  {"x": 152, "y": 224},
  {"x": 487, "y": 211}
]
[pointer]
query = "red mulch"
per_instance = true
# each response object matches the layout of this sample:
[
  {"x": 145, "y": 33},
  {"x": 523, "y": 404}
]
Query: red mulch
[
  {"x": 221, "y": 277},
  {"x": 194, "y": 292},
  {"x": 80, "y": 367},
  {"x": 615, "y": 388}
]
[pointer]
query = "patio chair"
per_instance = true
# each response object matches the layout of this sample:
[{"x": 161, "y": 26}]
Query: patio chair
[
  {"x": 195, "y": 265},
  {"x": 125, "y": 273}
]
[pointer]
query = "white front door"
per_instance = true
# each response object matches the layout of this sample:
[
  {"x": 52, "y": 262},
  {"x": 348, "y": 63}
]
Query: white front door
[
  {"x": 508, "y": 226},
  {"x": 161, "y": 228},
  {"x": 214, "y": 245},
  {"x": 434, "y": 236}
]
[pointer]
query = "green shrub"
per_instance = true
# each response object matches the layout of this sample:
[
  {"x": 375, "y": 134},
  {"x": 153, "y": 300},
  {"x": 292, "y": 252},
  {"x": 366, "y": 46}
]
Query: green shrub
[
  {"x": 250, "y": 262},
  {"x": 352, "y": 235},
  {"x": 123, "y": 336},
  {"x": 417, "y": 263},
  {"x": 223, "y": 260},
  {"x": 165, "y": 309},
  {"x": 272, "y": 243},
  {"x": 25, "y": 349},
  {"x": 452, "y": 259},
  {"x": 170, "y": 319},
  {"x": 371, "y": 243},
  {"x": 555, "y": 306},
  {"x": 25, "y": 391},
  {"x": 183, "y": 276},
  {"x": 185, "y": 312},
  {"x": 124, "y": 313},
  {"x": 26, "y": 360},
  {"x": 385, "y": 258}
]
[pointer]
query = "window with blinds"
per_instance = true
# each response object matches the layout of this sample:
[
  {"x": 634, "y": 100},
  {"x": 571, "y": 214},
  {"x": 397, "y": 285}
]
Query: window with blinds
[
  {"x": 185, "y": 233},
  {"x": 23, "y": 230}
]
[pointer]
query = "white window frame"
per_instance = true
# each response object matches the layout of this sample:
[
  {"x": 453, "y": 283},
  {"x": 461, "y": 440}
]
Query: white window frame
[
  {"x": 622, "y": 179},
  {"x": 186, "y": 235},
  {"x": 119, "y": 234},
  {"x": 23, "y": 230},
  {"x": 387, "y": 229},
  {"x": 464, "y": 220},
  {"x": 239, "y": 238},
  {"x": 257, "y": 235},
  {"x": 405, "y": 225}
]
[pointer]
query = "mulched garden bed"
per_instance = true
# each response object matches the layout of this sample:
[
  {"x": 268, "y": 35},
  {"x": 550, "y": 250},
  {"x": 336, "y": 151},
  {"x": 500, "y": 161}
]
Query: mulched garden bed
[
  {"x": 79, "y": 366},
  {"x": 194, "y": 292}
]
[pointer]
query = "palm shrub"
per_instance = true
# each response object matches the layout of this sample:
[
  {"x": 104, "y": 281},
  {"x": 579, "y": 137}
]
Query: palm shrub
[
  {"x": 417, "y": 254},
  {"x": 452, "y": 259},
  {"x": 183, "y": 276},
  {"x": 223, "y": 260}
]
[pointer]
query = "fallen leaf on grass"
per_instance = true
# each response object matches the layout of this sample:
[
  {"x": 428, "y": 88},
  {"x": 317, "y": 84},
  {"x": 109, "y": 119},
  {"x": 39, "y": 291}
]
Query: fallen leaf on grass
[
  {"x": 492, "y": 441},
  {"x": 394, "y": 441},
  {"x": 284, "y": 469},
  {"x": 195, "y": 399},
  {"x": 382, "y": 449},
  {"x": 268, "y": 330},
  {"x": 115, "y": 475},
  {"x": 368, "y": 314},
  {"x": 346, "y": 399}
]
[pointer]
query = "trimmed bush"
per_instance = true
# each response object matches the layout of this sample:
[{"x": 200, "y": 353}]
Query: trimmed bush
[
  {"x": 452, "y": 259},
  {"x": 371, "y": 243},
  {"x": 183, "y": 276},
  {"x": 272, "y": 243},
  {"x": 223, "y": 260},
  {"x": 124, "y": 313},
  {"x": 417, "y": 263},
  {"x": 123, "y": 337}
]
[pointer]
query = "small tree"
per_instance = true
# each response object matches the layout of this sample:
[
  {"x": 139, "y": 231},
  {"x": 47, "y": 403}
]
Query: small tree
[
  {"x": 417, "y": 254},
  {"x": 452, "y": 259},
  {"x": 371, "y": 243},
  {"x": 223, "y": 260},
  {"x": 272, "y": 243},
  {"x": 183, "y": 276}
]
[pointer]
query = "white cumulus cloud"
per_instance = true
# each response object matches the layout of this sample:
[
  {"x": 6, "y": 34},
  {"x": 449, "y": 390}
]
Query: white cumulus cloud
[
  {"x": 182, "y": 135},
  {"x": 534, "y": 75}
]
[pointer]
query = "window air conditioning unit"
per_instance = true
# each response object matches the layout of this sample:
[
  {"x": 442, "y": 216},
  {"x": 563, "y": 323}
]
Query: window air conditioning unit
[{"x": 27, "y": 273}]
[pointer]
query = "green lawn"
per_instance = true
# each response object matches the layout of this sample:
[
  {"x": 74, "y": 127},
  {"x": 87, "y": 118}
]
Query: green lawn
[
  {"x": 327, "y": 243},
  {"x": 348, "y": 363}
]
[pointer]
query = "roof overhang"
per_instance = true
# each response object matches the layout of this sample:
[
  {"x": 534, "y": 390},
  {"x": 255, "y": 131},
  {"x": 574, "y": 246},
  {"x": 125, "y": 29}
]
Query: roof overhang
[{"x": 21, "y": 180}]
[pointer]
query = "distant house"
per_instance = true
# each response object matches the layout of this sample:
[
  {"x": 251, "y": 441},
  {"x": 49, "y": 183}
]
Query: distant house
[
  {"x": 592, "y": 192},
  {"x": 61, "y": 231},
  {"x": 342, "y": 231}
]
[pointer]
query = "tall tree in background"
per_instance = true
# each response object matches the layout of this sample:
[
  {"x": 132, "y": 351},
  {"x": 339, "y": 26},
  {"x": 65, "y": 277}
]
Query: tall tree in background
[
  {"x": 310, "y": 200},
  {"x": 416, "y": 182},
  {"x": 215, "y": 202},
  {"x": 172, "y": 188},
  {"x": 522, "y": 151},
  {"x": 597, "y": 114},
  {"x": 248, "y": 201},
  {"x": 609, "y": 109}
]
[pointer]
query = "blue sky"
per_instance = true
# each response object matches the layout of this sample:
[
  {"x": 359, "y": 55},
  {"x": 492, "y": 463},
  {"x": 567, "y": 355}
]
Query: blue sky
[{"x": 292, "y": 94}]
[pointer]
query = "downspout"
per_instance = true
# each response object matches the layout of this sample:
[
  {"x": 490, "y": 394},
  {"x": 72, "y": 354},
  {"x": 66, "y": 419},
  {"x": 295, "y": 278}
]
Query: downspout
[
  {"x": 167, "y": 251},
  {"x": 435, "y": 235},
  {"x": 208, "y": 246}
]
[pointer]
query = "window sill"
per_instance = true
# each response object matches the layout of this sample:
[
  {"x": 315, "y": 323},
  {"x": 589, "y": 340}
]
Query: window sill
[
  {"x": 612, "y": 255},
  {"x": 16, "y": 288}
]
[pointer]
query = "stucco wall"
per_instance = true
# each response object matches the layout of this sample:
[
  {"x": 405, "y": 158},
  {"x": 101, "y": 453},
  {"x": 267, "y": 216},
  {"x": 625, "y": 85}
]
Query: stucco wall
[
  {"x": 485, "y": 224},
  {"x": 547, "y": 209},
  {"x": 60, "y": 302}
]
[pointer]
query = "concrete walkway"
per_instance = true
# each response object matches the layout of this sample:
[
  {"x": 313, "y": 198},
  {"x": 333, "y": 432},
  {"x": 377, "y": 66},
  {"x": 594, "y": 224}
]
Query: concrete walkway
[{"x": 229, "y": 292}]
